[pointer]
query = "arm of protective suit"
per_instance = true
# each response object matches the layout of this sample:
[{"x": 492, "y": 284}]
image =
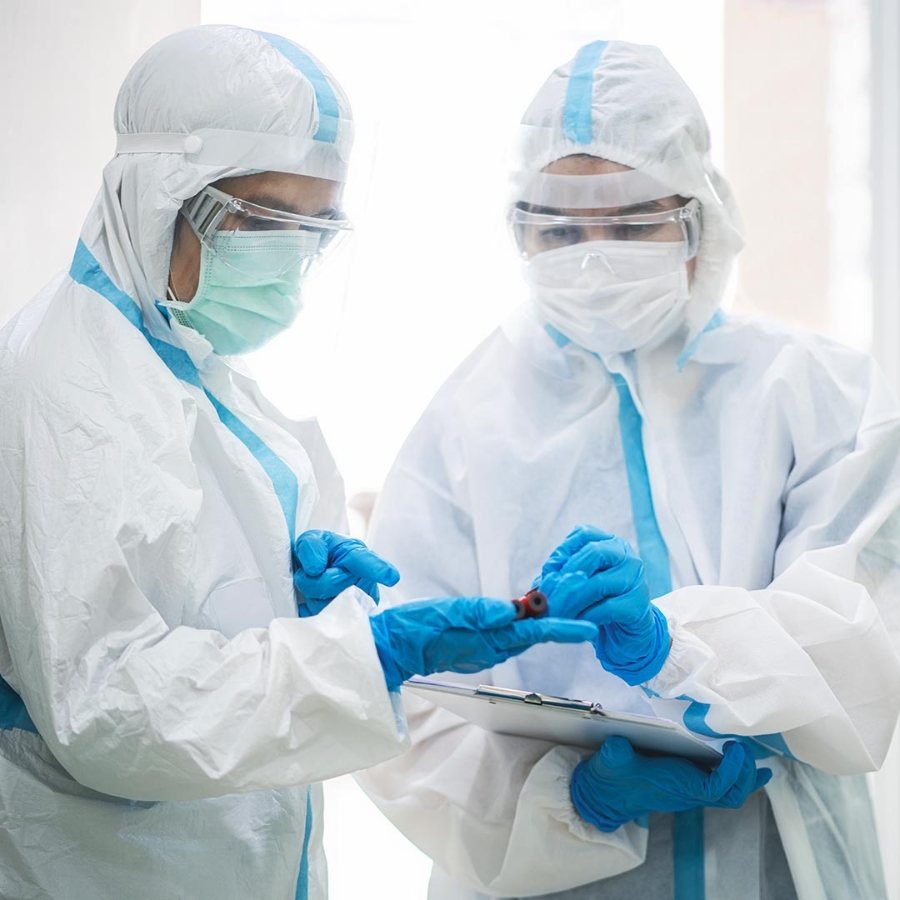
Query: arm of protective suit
[
  {"x": 128, "y": 704},
  {"x": 482, "y": 806},
  {"x": 811, "y": 659}
]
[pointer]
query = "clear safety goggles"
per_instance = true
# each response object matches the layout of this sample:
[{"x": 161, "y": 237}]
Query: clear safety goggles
[
  {"x": 538, "y": 232},
  {"x": 214, "y": 214}
]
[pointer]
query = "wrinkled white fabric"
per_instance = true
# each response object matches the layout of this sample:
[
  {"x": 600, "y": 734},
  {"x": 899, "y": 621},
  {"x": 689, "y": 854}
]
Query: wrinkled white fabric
[
  {"x": 149, "y": 623},
  {"x": 773, "y": 461},
  {"x": 777, "y": 496},
  {"x": 610, "y": 296}
]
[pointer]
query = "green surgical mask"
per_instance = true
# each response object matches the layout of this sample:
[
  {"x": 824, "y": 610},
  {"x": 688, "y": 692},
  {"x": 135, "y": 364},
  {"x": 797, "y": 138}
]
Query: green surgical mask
[{"x": 249, "y": 287}]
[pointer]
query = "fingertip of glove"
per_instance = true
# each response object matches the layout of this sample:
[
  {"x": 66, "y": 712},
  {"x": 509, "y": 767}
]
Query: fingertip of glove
[
  {"x": 763, "y": 777},
  {"x": 494, "y": 613},
  {"x": 566, "y": 631}
]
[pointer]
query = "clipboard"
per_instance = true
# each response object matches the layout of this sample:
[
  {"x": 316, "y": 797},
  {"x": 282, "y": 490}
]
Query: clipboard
[{"x": 576, "y": 723}]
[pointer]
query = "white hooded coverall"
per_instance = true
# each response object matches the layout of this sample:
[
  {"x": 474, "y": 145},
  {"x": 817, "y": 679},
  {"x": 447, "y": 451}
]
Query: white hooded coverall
[
  {"x": 755, "y": 469},
  {"x": 165, "y": 716}
]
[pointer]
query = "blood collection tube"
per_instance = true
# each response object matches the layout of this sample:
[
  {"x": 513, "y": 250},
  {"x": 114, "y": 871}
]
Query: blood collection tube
[{"x": 532, "y": 606}]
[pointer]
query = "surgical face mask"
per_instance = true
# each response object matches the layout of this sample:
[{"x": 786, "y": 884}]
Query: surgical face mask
[
  {"x": 611, "y": 296},
  {"x": 249, "y": 287},
  {"x": 252, "y": 260}
]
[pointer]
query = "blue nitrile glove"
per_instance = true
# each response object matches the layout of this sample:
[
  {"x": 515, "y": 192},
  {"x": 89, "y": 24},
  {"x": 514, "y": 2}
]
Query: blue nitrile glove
[
  {"x": 596, "y": 576},
  {"x": 327, "y": 563},
  {"x": 617, "y": 784},
  {"x": 461, "y": 634}
]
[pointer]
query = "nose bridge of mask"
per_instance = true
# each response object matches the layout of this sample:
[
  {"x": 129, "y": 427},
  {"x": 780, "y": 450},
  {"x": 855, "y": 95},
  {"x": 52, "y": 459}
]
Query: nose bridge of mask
[
  {"x": 612, "y": 261},
  {"x": 258, "y": 256},
  {"x": 248, "y": 289}
]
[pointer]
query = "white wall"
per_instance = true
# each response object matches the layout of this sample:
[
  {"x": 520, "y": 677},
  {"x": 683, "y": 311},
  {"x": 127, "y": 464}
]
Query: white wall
[{"x": 61, "y": 63}]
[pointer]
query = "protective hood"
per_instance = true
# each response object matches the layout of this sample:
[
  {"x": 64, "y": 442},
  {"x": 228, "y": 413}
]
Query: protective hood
[
  {"x": 206, "y": 103},
  {"x": 625, "y": 103}
]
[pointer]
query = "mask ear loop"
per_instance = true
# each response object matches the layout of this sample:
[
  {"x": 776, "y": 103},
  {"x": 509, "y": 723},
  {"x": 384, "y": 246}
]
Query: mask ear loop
[{"x": 691, "y": 225}]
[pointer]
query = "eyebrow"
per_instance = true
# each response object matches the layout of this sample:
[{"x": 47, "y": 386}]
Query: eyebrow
[{"x": 634, "y": 210}]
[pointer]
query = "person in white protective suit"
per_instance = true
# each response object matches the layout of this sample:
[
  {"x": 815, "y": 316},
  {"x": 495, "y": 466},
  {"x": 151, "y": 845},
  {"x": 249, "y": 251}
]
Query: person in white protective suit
[
  {"x": 754, "y": 469},
  {"x": 176, "y": 671}
]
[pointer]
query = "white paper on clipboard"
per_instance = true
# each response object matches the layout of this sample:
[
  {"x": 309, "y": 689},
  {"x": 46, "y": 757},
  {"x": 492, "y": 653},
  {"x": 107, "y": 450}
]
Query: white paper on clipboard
[{"x": 573, "y": 722}]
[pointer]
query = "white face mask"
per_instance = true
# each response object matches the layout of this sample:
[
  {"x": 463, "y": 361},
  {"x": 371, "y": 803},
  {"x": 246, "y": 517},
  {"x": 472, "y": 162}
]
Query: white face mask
[{"x": 611, "y": 296}]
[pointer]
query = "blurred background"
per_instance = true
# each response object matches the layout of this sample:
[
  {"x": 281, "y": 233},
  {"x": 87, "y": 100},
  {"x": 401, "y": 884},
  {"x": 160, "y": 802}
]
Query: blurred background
[{"x": 803, "y": 101}]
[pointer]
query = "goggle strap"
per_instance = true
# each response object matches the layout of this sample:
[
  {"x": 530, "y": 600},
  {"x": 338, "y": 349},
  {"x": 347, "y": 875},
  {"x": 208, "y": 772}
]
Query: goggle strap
[{"x": 203, "y": 212}]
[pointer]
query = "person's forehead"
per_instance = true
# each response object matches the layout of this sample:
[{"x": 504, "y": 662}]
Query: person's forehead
[{"x": 583, "y": 164}]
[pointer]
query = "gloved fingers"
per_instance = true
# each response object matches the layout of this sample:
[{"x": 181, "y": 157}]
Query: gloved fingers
[
  {"x": 619, "y": 594},
  {"x": 521, "y": 635},
  {"x": 581, "y": 535},
  {"x": 597, "y": 556},
  {"x": 576, "y": 539},
  {"x": 547, "y": 583},
  {"x": 306, "y": 608},
  {"x": 630, "y": 612},
  {"x": 750, "y": 779},
  {"x": 616, "y": 753},
  {"x": 576, "y": 595},
  {"x": 311, "y": 550},
  {"x": 559, "y": 631},
  {"x": 481, "y": 613},
  {"x": 325, "y": 586},
  {"x": 736, "y": 770},
  {"x": 623, "y": 577},
  {"x": 364, "y": 563},
  {"x": 369, "y": 587}
]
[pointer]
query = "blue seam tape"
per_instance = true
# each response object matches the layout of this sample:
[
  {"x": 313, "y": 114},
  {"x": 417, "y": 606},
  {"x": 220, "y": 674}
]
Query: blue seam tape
[
  {"x": 651, "y": 546},
  {"x": 687, "y": 827},
  {"x": 687, "y": 849},
  {"x": 556, "y": 335},
  {"x": 283, "y": 479},
  {"x": 303, "y": 877},
  {"x": 760, "y": 746},
  {"x": 716, "y": 321},
  {"x": 577, "y": 120},
  {"x": 326, "y": 101},
  {"x": 13, "y": 713},
  {"x": 87, "y": 271}
]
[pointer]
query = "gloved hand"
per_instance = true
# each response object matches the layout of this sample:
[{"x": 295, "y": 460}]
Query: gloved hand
[
  {"x": 461, "y": 634},
  {"x": 326, "y": 563},
  {"x": 596, "y": 576},
  {"x": 617, "y": 784}
]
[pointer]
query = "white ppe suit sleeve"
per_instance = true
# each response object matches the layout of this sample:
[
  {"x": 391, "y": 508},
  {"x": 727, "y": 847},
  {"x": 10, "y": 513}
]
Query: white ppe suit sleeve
[
  {"x": 810, "y": 661},
  {"x": 482, "y": 806},
  {"x": 129, "y": 705}
]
